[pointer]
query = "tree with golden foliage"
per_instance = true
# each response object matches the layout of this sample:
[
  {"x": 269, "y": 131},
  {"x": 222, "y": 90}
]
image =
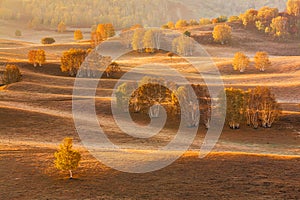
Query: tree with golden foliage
[
  {"x": 183, "y": 45},
  {"x": 266, "y": 14},
  {"x": 222, "y": 33},
  {"x": 249, "y": 17},
  {"x": 112, "y": 69},
  {"x": 78, "y": 35},
  {"x": 66, "y": 158},
  {"x": 61, "y": 27},
  {"x": 72, "y": 60},
  {"x": 280, "y": 26},
  {"x": 261, "y": 107},
  {"x": 102, "y": 32},
  {"x": 11, "y": 74},
  {"x": 137, "y": 40},
  {"x": 171, "y": 25},
  {"x": 240, "y": 62},
  {"x": 293, "y": 7},
  {"x": 262, "y": 61},
  {"x": 234, "y": 107},
  {"x": 181, "y": 23},
  {"x": 37, "y": 57}
]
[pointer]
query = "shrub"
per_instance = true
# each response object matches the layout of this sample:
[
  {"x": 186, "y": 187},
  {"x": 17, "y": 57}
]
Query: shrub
[
  {"x": 47, "y": 40},
  {"x": 18, "y": 33}
]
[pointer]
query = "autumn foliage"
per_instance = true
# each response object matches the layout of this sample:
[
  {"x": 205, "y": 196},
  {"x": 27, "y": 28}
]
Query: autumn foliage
[
  {"x": 240, "y": 62},
  {"x": 254, "y": 107},
  {"x": 222, "y": 33},
  {"x": 262, "y": 61},
  {"x": 11, "y": 74},
  {"x": 37, "y": 57},
  {"x": 72, "y": 60},
  {"x": 66, "y": 158}
]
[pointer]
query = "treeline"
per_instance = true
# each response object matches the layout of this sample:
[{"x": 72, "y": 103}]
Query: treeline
[
  {"x": 84, "y": 13},
  {"x": 280, "y": 25}
]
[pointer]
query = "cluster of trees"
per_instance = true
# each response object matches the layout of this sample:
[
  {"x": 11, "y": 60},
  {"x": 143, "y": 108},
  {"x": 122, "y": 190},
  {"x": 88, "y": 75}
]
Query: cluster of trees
[
  {"x": 254, "y": 107},
  {"x": 146, "y": 40},
  {"x": 101, "y": 33},
  {"x": 11, "y": 74},
  {"x": 72, "y": 62},
  {"x": 271, "y": 21},
  {"x": 36, "y": 57},
  {"x": 153, "y": 92},
  {"x": 150, "y": 41},
  {"x": 183, "y": 45},
  {"x": 241, "y": 61}
]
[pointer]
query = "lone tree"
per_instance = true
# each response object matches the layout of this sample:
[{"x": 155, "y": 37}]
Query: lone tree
[
  {"x": 18, "y": 33},
  {"x": 72, "y": 60},
  {"x": 112, "y": 69},
  {"x": 240, "y": 62},
  {"x": 61, "y": 27},
  {"x": 262, "y": 61},
  {"x": 78, "y": 35},
  {"x": 222, "y": 33},
  {"x": 37, "y": 57},
  {"x": 11, "y": 74},
  {"x": 66, "y": 158}
]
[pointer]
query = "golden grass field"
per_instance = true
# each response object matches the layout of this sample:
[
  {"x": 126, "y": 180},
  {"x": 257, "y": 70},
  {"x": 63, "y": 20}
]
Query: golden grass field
[{"x": 36, "y": 114}]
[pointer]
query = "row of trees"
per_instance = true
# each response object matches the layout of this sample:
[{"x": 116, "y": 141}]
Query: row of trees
[
  {"x": 153, "y": 92},
  {"x": 72, "y": 62},
  {"x": 254, "y": 107},
  {"x": 271, "y": 21},
  {"x": 241, "y": 61},
  {"x": 181, "y": 23}
]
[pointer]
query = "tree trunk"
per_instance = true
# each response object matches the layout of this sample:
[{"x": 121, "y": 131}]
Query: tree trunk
[{"x": 71, "y": 174}]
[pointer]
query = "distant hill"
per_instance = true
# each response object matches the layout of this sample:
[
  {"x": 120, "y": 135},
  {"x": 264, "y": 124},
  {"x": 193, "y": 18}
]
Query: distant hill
[
  {"x": 122, "y": 13},
  {"x": 214, "y": 8}
]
